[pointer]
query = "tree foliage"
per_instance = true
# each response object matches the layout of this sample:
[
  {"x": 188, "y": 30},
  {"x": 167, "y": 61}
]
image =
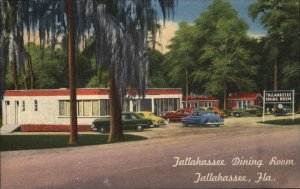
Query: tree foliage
[
  {"x": 213, "y": 51},
  {"x": 281, "y": 45},
  {"x": 181, "y": 58},
  {"x": 157, "y": 76},
  {"x": 120, "y": 29}
]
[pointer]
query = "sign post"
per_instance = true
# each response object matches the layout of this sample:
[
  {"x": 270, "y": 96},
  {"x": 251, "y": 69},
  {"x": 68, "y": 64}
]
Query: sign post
[
  {"x": 279, "y": 97},
  {"x": 264, "y": 106},
  {"x": 293, "y": 108}
]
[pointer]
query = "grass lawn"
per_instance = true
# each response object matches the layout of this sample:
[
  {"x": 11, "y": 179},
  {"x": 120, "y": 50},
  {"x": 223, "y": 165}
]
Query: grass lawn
[
  {"x": 283, "y": 122},
  {"x": 43, "y": 141}
]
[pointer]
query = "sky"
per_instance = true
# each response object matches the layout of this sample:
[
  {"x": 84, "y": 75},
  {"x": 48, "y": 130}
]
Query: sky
[{"x": 189, "y": 10}]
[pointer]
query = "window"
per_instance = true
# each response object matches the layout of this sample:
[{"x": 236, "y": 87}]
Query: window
[
  {"x": 136, "y": 105},
  {"x": 167, "y": 104},
  {"x": 85, "y": 108},
  {"x": 104, "y": 107},
  {"x": 7, "y": 103},
  {"x": 64, "y": 108},
  {"x": 35, "y": 105},
  {"x": 23, "y": 106},
  {"x": 243, "y": 104},
  {"x": 142, "y": 105},
  {"x": 188, "y": 105},
  {"x": 207, "y": 104},
  {"x": 80, "y": 108},
  {"x": 126, "y": 106},
  {"x": 96, "y": 108},
  {"x": 145, "y": 105}
]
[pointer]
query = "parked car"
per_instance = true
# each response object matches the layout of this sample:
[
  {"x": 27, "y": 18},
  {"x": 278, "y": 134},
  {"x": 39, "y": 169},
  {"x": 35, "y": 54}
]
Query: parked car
[
  {"x": 216, "y": 110},
  {"x": 282, "y": 112},
  {"x": 157, "y": 121},
  {"x": 248, "y": 111},
  {"x": 178, "y": 115},
  {"x": 203, "y": 117},
  {"x": 130, "y": 121}
]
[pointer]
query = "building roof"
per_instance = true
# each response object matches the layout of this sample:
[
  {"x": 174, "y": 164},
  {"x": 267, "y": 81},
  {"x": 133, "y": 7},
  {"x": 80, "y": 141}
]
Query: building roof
[
  {"x": 200, "y": 97},
  {"x": 95, "y": 91},
  {"x": 243, "y": 96}
]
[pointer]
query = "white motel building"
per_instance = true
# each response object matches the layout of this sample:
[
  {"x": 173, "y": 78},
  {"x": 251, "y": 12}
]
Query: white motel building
[{"x": 48, "y": 110}]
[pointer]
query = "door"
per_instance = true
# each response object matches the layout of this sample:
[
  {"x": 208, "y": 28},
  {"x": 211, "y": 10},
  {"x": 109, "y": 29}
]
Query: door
[
  {"x": 11, "y": 112},
  {"x": 16, "y": 109},
  {"x": 6, "y": 105}
]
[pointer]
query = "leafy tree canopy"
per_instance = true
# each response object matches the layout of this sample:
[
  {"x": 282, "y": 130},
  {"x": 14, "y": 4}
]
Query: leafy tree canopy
[{"x": 281, "y": 45}]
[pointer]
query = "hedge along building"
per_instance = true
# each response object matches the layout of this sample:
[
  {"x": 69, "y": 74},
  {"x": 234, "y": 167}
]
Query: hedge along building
[{"x": 49, "y": 110}]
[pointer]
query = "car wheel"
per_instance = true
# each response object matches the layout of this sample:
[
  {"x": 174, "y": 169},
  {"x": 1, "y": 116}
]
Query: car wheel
[
  {"x": 237, "y": 115},
  {"x": 103, "y": 129},
  {"x": 185, "y": 124},
  {"x": 217, "y": 125},
  {"x": 139, "y": 128}
]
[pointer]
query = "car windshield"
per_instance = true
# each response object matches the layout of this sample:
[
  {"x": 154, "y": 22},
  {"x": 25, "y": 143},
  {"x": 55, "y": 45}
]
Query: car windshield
[
  {"x": 179, "y": 112},
  {"x": 197, "y": 113},
  {"x": 130, "y": 116},
  {"x": 209, "y": 114}
]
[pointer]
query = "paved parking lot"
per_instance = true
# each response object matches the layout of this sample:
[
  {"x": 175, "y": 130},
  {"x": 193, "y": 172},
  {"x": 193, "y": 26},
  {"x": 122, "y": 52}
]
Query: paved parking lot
[
  {"x": 148, "y": 163},
  {"x": 240, "y": 124}
]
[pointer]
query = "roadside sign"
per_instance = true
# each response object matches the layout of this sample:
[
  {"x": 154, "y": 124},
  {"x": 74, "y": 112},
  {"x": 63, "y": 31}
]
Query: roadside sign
[{"x": 279, "y": 97}]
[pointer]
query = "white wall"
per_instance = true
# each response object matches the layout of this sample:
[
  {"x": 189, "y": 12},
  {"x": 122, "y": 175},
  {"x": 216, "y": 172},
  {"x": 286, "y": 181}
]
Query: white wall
[{"x": 48, "y": 109}]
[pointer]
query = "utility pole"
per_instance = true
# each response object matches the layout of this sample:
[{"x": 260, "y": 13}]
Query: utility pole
[{"x": 186, "y": 88}]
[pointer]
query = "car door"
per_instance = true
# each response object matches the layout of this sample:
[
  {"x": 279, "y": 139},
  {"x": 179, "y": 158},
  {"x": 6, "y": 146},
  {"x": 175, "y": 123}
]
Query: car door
[
  {"x": 194, "y": 118},
  {"x": 132, "y": 121},
  {"x": 127, "y": 121},
  {"x": 251, "y": 110},
  {"x": 135, "y": 121},
  {"x": 177, "y": 116}
]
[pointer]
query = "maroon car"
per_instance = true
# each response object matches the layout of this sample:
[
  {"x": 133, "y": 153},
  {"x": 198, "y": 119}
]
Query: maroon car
[{"x": 178, "y": 115}]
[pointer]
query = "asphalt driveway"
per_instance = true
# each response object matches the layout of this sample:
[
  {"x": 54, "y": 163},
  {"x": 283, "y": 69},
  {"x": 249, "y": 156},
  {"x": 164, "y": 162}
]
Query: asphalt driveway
[{"x": 151, "y": 163}]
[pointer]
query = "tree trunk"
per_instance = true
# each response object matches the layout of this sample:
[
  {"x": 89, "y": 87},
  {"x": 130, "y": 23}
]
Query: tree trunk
[
  {"x": 276, "y": 76},
  {"x": 187, "y": 88},
  {"x": 225, "y": 96},
  {"x": 31, "y": 73},
  {"x": 225, "y": 84},
  {"x": 15, "y": 72},
  {"x": 72, "y": 80},
  {"x": 116, "y": 130}
]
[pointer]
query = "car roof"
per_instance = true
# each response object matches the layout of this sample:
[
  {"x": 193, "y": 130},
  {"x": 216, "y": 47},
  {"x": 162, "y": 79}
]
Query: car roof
[
  {"x": 203, "y": 111},
  {"x": 145, "y": 112},
  {"x": 186, "y": 109}
]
